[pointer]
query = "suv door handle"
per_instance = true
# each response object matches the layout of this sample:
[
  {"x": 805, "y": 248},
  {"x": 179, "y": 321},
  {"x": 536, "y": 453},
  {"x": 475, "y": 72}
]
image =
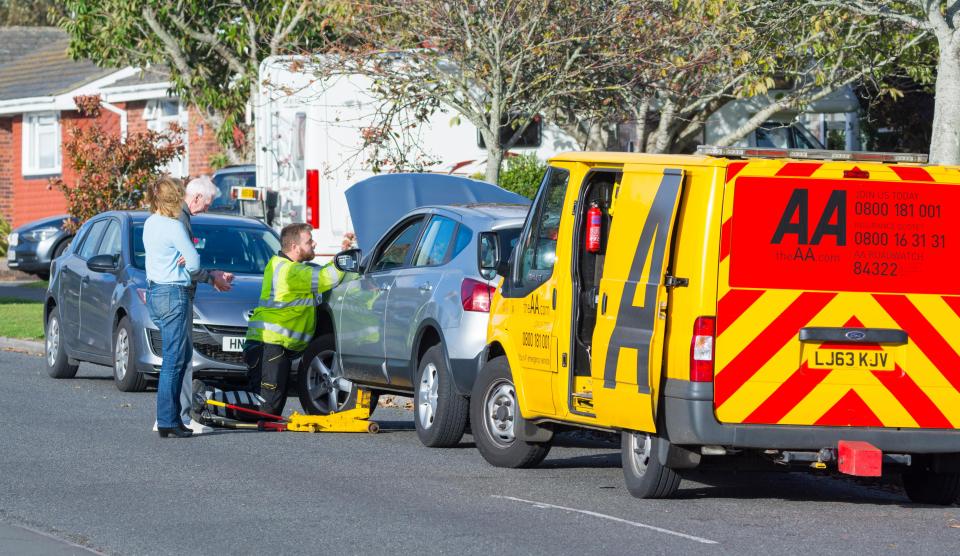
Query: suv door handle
[
  {"x": 85, "y": 280},
  {"x": 425, "y": 287},
  {"x": 384, "y": 288}
]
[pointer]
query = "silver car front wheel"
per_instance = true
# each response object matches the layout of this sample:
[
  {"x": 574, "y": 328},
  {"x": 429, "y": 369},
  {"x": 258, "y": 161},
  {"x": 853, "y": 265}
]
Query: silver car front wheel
[{"x": 328, "y": 391}]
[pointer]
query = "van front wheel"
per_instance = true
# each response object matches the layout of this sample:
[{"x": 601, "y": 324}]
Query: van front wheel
[
  {"x": 645, "y": 476},
  {"x": 495, "y": 418}
]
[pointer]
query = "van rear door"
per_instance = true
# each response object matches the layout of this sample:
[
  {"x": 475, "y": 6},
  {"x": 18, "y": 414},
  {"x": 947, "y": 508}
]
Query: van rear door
[{"x": 838, "y": 296}]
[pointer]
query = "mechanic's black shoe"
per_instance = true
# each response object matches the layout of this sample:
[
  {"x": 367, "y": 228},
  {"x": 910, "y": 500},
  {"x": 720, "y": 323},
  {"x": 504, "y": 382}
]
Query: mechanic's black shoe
[
  {"x": 183, "y": 427},
  {"x": 177, "y": 432}
]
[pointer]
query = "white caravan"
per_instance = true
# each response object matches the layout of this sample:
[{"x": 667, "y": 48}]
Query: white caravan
[{"x": 310, "y": 144}]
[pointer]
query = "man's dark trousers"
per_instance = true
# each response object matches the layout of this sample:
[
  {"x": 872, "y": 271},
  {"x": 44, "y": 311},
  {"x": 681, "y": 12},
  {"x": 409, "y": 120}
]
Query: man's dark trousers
[{"x": 269, "y": 376}]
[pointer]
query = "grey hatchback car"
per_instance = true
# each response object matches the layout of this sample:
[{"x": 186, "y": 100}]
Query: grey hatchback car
[
  {"x": 413, "y": 321},
  {"x": 95, "y": 307}
]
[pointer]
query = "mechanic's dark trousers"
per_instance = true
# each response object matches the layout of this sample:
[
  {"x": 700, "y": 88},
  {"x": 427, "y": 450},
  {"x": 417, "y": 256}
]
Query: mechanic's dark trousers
[{"x": 269, "y": 375}]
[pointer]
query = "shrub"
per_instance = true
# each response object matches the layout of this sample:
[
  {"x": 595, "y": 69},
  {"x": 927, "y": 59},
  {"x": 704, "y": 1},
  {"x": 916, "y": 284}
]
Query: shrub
[
  {"x": 112, "y": 173},
  {"x": 4, "y": 230},
  {"x": 523, "y": 175}
]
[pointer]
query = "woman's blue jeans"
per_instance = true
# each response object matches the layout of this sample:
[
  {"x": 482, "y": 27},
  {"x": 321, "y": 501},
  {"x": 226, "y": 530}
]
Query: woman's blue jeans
[{"x": 170, "y": 309}]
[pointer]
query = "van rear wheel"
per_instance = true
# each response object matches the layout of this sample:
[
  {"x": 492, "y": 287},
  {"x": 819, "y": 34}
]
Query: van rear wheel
[
  {"x": 645, "y": 476},
  {"x": 928, "y": 487},
  {"x": 495, "y": 417}
]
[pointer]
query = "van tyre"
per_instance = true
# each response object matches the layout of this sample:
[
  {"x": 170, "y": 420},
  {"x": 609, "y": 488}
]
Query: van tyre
[
  {"x": 495, "y": 416},
  {"x": 125, "y": 374},
  {"x": 440, "y": 411},
  {"x": 645, "y": 476},
  {"x": 927, "y": 487},
  {"x": 58, "y": 364}
]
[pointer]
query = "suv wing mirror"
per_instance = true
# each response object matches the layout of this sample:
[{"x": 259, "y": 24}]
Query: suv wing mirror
[
  {"x": 102, "y": 263},
  {"x": 348, "y": 261}
]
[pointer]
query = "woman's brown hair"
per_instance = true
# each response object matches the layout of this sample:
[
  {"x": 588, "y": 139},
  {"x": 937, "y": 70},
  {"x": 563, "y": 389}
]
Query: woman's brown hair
[{"x": 165, "y": 196}]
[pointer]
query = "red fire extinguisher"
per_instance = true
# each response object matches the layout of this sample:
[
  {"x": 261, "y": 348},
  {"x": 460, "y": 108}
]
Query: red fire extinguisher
[{"x": 594, "y": 223}]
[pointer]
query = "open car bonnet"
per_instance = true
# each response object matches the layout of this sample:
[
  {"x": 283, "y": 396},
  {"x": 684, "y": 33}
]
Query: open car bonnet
[{"x": 376, "y": 203}]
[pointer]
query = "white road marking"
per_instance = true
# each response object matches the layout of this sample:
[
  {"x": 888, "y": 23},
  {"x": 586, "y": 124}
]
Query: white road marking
[{"x": 611, "y": 518}]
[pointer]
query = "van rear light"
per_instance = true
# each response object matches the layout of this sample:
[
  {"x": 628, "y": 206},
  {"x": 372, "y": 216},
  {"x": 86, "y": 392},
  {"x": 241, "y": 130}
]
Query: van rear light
[
  {"x": 313, "y": 198},
  {"x": 475, "y": 295},
  {"x": 702, "y": 349}
]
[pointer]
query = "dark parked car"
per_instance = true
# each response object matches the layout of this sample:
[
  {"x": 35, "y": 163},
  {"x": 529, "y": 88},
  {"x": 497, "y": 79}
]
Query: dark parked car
[
  {"x": 95, "y": 309},
  {"x": 33, "y": 246}
]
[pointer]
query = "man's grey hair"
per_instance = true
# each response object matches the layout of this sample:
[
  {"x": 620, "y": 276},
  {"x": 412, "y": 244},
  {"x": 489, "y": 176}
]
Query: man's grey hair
[{"x": 203, "y": 185}]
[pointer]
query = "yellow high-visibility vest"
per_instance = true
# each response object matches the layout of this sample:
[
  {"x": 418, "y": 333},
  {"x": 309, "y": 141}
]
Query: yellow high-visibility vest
[{"x": 286, "y": 314}]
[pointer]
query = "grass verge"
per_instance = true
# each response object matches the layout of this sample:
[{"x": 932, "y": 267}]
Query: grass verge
[{"x": 21, "y": 319}]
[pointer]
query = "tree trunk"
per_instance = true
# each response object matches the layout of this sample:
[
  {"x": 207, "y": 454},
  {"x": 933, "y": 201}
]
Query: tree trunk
[
  {"x": 945, "y": 139},
  {"x": 491, "y": 137}
]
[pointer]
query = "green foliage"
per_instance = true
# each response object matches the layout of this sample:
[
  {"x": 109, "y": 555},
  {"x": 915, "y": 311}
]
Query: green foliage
[
  {"x": 218, "y": 161},
  {"x": 4, "y": 230},
  {"x": 112, "y": 173},
  {"x": 213, "y": 50},
  {"x": 28, "y": 13},
  {"x": 523, "y": 175}
]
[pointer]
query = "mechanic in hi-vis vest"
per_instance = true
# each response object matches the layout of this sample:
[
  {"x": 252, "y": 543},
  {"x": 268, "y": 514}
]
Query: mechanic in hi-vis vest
[{"x": 283, "y": 323}]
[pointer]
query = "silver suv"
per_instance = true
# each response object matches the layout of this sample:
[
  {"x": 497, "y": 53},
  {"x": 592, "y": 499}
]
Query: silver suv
[{"x": 413, "y": 321}]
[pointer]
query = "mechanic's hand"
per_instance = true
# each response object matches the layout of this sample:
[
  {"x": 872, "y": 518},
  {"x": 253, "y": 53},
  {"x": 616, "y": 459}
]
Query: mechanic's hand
[
  {"x": 181, "y": 261},
  {"x": 349, "y": 241},
  {"x": 220, "y": 281}
]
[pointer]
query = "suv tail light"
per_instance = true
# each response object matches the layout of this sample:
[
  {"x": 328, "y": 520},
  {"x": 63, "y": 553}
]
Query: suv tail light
[
  {"x": 475, "y": 295},
  {"x": 702, "y": 350}
]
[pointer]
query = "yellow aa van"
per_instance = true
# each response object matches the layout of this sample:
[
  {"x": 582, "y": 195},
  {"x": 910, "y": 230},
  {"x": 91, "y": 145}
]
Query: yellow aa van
[{"x": 799, "y": 306}]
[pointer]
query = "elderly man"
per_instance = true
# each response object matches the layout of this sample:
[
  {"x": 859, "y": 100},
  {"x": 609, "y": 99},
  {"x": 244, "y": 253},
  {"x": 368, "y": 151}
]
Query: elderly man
[{"x": 200, "y": 193}]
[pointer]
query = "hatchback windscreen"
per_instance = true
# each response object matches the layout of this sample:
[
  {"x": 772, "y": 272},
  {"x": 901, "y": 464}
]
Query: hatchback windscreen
[{"x": 232, "y": 249}]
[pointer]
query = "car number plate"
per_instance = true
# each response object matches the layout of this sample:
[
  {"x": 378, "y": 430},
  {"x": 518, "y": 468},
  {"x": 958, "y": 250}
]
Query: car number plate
[
  {"x": 869, "y": 360},
  {"x": 233, "y": 343}
]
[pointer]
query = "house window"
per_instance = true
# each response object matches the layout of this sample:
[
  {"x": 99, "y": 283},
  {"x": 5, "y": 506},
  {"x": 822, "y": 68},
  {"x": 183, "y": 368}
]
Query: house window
[
  {"x": 41, "y": 143},
  {"x": 160, "y": 114}
]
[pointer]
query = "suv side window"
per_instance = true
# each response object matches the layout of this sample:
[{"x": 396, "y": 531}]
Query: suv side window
[
  {"x": 394, "y": 253},
  {"x": 111, "y": 240},
  {"x": 435, "y": 243},
  {"x": 538, "y": 252},
  {"x": 92, "y": 240}
]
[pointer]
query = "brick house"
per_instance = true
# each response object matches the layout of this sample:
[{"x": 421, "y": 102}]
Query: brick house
[{"x": 38, "y": 82}]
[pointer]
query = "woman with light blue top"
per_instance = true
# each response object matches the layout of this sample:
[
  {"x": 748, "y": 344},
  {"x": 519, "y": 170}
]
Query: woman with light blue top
[{"x": 165, "y": 240}]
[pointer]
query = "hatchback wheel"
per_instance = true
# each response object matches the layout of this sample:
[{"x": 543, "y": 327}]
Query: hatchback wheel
[
  {"x": 58, "y": 364},
  {"x": 125, "y": 374},
  {"x": 320, "y": 383},
  {"x": 495, "y": 417},
  {"x": 441, "y": 413}
]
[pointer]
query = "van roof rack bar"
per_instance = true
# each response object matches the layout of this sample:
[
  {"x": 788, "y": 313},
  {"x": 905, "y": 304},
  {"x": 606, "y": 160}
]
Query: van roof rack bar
[{"x": 815, "y": 154}]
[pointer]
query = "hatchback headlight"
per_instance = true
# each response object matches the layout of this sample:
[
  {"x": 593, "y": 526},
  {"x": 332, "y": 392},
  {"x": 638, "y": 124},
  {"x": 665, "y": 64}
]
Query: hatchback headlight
[
  {"x": 40, "y": 234},
  {"x": 12, "y": 239}
]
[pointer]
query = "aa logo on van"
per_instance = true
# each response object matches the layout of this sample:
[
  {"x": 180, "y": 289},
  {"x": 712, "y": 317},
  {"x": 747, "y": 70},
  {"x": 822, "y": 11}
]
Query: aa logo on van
[{"x": 831, "y": 222}]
